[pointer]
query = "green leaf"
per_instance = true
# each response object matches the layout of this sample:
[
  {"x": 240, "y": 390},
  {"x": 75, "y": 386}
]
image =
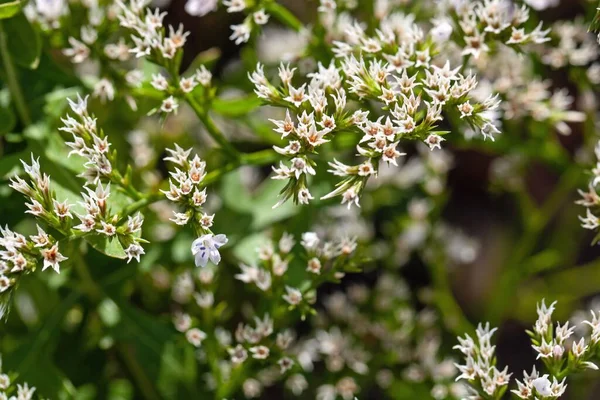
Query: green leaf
[
  {"x": 23, "y": 41},
  {"x": 108, "y": 246},
  {"x": 236, "y": 107},
  {"x": 10, "y": 8},
  {"x": 7, "y": 120}
]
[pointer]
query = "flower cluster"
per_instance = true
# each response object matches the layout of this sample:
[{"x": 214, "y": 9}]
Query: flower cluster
[
  {"x": 560, "y": 354},
  {"x": 323, "y": 261},
  {"x": 397, "y": 69},
  {"x": 148, "y": 34},
  {"x": 590, "y": 198}
]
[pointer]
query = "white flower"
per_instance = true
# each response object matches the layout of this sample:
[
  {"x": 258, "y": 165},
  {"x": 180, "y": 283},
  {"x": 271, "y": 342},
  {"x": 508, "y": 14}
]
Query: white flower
[
  {"x": 434, "y": 140},
  {"x": 543, "y": 386},
  {"x": 310, "y": 240},
  {"x": 52, "y": 258},
  {"x": 199, "y": 8},
  {"x": 195, "y": 336},
  {"x": 134, "y": 251},
  {"x": 260, "y": 352},
  {"x": 293, "y": 296},
  {"x": 169, "y": 104},
  {"x": 206, "y": 248},
  {"x": 159, "y": 82},
  {"x": 241, "y": 33}
]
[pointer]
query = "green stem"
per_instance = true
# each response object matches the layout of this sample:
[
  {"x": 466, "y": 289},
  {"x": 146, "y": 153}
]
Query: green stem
[
  {"x": 12, "y": 80},
  {"x": 212, "y": 129},
  {"x": 284, "y": 16},
  {"x": 503, "y": 294}
]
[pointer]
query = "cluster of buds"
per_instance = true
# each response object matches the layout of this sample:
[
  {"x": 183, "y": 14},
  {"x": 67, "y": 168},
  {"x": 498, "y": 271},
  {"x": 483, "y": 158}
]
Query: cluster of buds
[
  {"x": 187, "y": 189},
  {"x": 479, "y": 23},
  {"x": 256, "y": 16},
  {"x": 552, "y": 345},
  {"x": 174, "y": 90},
  {"x": 398, "y": 69},
  {"x": 561, "y": 355},
  {"x": 20, "y": 255},
  {"x": 590, "y": 198},
  {"x": 324, "y": 261},
  {"x": 12, "y": 391},
  {"x": 149, "y": 37},
  {"x": 89, "y": 143},
  {"x": 480, "y": 369},
  {"x": 96, "y": 24}
]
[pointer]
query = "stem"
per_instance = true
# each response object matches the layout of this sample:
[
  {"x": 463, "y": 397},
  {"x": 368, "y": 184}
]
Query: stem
[
  {"x": 12, "y": 80},
  {"x": 503, "y": 293},
  {"x": 284, "y": 16},
  {"x": 212, "y": 129}
]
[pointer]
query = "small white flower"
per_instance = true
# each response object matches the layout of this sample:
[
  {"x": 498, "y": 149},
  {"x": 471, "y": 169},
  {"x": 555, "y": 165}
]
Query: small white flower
[
  {"x": 52, "y": 258},
  {"x": 134, "y": 251},
  {"x": 199, "y": 8},
  {"x": 169, "y": 104},
  {"x": 180, "y": 218},
  {"x": 260, "y": 352},
  {"x": 159, "y": 82},
  {"x": 292, "y": 296},
  {"x": 434, "y": 140},
  {"x": 543, "y": 386},
  {"x": 206, "y": 248},
  {"x": 195, "y": 336}
]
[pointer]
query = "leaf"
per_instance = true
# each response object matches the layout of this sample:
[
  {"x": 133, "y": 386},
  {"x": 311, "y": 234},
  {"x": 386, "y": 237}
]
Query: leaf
[
  {"x": 108, "y": 246},
  {"x": 7, "y": 120},
  {"x": 10, "y": 8},
  {"x": 236, "y": 107},
  {"x": 23, "y": 41}
]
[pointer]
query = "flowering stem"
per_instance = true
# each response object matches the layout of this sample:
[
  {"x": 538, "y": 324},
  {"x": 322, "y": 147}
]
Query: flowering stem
[
  {"x": 12, "y": 80},
  {"x": 284, "y": 16},
  {"x": 212, "y": 129}
]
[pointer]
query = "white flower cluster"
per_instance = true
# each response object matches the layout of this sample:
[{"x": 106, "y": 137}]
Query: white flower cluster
[
  {"x": 88, "y": 142},
  {"x": 398, "y": 70},
  {"x": 327, "y": 260},
  {"x": 20, "y": 254},
  {"x": 560, "y": 354},
  {"x": 187, "y": 189},
  {"x": 479, "y": 368},
  {"x": 590, "y": 198},
  {"x": 148, "y": 34}
]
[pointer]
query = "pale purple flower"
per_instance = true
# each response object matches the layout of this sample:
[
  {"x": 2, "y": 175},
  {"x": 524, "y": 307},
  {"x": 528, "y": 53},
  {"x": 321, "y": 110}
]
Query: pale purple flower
[{"x": 206, "y": 248}]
